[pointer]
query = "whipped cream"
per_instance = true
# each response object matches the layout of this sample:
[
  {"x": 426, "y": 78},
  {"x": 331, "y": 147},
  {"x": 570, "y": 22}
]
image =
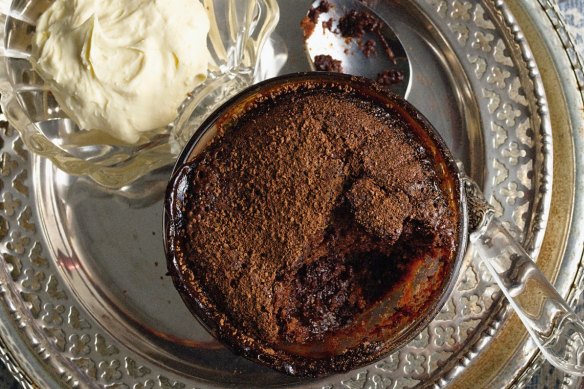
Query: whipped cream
[{"x": 123, "y": 67}]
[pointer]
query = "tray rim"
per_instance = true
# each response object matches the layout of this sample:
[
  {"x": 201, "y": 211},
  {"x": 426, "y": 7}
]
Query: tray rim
[{"x": 559, "y": 50}]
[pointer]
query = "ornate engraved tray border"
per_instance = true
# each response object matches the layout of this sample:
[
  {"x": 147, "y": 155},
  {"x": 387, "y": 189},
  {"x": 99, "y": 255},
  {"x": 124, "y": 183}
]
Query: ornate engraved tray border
[{"x": 26, "y": 266}]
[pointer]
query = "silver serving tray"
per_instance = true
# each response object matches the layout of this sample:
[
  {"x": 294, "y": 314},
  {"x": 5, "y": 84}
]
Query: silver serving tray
[{"x": 84, "y": 297}]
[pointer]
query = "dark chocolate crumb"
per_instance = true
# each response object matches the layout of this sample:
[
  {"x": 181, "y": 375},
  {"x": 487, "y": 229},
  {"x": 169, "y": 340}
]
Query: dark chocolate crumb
[
  {"x": 390, "y": 77},
  {"x": 308, "y": 23},
  {"x": 326, "y": 63},
  {"x": 368, "y": 48},
  {"x": 355, "y": 24},
  {"x": 328, "y": 25}
]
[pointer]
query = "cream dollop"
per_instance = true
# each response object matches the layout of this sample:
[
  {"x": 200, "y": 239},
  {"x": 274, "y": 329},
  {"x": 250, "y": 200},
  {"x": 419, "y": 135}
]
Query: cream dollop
[{"x": 123, "y": 67}]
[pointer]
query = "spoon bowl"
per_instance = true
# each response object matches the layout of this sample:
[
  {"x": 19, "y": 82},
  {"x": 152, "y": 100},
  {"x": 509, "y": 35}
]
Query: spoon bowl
[{"x": 350, "y": 32}]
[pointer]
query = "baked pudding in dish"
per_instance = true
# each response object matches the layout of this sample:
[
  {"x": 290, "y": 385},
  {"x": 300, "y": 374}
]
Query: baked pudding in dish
[{"x": 314, "y": 223}]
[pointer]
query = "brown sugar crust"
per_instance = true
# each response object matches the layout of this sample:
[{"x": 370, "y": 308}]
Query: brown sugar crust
[{"x": 305, "y": 215}]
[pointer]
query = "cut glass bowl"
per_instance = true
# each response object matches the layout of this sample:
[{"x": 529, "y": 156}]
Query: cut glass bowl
[{"x": 239, "y": 29}]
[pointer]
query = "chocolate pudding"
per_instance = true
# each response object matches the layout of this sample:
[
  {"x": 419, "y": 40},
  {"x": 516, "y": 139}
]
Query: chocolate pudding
[{"x": 315, "y": 228}]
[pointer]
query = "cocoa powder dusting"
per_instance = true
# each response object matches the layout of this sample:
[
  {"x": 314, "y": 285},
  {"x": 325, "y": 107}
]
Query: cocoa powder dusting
[{"x": 309, "y": 209}]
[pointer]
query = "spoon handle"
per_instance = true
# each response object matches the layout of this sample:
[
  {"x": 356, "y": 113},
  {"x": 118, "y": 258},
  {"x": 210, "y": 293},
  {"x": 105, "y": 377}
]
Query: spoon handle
[{"x": 552, "y": 324}]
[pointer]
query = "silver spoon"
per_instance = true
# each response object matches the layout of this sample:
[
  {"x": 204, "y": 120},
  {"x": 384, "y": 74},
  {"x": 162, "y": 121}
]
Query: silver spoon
[
  {"x": 349, "y": 32},
  {"x": 551, "y": 323}
]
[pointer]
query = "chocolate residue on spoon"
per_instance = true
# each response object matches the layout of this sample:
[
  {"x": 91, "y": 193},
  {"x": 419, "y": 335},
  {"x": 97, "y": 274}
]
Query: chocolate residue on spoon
[
  {"x": 390, "y": 77},
  {"x": 326, "y": 63},
  {"x": 355, "y": 24},
  {"x": 308, "y": 23},
  {"x": 351, "y": 25}
]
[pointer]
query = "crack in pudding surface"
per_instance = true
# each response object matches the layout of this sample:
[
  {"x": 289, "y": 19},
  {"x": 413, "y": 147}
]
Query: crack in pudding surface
[{"x": 310, "y": 209}]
